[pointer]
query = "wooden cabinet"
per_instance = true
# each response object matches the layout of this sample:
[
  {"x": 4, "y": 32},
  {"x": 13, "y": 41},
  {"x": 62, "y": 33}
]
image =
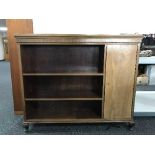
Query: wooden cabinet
[{"x": 78, "y": 78}]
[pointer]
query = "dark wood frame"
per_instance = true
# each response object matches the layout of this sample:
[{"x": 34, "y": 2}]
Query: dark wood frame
[{"x": 103, "y": 40}]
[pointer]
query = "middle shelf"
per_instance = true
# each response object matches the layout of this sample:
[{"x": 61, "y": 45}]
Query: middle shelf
[
  {"x": 63, "y": 87},
  {"x": 63, "y": 74}
]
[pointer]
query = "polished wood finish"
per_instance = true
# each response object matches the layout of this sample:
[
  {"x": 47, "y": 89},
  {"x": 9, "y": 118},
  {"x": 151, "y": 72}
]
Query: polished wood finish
[
  {"x": 63, "y": 99},
  {"x": 76, "y": 39},
  {"x": 78, "y": 78},
  {"x": 16, "y": 26},
  {"x": 119, "y": 81},
  {"x": 63, "y": 74}
]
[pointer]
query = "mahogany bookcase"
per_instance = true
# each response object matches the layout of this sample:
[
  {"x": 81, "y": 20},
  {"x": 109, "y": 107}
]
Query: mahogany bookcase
[{"x": 78, "y": 78}]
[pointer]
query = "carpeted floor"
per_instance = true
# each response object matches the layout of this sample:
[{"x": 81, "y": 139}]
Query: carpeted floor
[{"x": 12, "y": 124}]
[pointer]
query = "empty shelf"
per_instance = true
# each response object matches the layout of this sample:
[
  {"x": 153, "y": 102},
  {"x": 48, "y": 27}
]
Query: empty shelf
[{"x": 63, "y": 109}]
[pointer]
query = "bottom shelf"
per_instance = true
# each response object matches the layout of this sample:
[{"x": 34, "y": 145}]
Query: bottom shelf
[{"x": 63, "y": 109}]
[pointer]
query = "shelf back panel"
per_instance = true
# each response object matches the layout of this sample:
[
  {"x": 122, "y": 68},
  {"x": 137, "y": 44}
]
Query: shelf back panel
[
  {"x": 63, "y": 87},
  {"x": 63, "y": 109},
  {"x": 62, "y": 58}
]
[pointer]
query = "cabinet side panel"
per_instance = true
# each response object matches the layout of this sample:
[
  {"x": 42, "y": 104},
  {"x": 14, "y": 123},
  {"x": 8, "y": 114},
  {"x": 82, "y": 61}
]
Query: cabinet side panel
[{"x": 119, "y": 82}]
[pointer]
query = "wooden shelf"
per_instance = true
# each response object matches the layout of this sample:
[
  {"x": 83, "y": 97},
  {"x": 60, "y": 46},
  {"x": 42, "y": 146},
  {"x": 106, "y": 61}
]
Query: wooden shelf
[
  {"x": 62, "y": 94},
  {"x": 63, "y": 110},
  {"x": 59, "y": 59},
  {"x": 68, "y": 120},
  {"x": 62, "y": 74},
  {"x": 63, "y": 87},
  {"x": 62, "y": 99}
]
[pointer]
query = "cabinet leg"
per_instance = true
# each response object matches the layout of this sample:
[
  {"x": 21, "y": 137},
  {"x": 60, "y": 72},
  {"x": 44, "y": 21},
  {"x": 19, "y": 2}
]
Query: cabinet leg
[{"x": 130, "y": 125}]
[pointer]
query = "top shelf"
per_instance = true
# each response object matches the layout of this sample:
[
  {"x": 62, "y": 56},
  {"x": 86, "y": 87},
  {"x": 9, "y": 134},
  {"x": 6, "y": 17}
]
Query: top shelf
[{"x": 62, "y": 60}]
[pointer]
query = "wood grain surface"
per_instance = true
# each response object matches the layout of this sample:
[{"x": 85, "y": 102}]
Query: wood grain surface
[
  {"x": 16, "y": 26},
  {"x": 119, "y": 81}
]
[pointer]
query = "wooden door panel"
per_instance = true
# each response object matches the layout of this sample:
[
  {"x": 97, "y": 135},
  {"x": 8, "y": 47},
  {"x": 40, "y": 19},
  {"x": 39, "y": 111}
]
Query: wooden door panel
[
  {"x": 119, "y": 81},
  {"x": 16, "y": 26}
]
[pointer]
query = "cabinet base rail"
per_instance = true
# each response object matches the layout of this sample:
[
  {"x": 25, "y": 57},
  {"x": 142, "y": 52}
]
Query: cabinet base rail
[{"x": 130, "y": 124}]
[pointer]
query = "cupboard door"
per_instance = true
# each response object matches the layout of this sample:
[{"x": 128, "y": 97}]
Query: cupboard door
[{"x": 120, "y": 72}]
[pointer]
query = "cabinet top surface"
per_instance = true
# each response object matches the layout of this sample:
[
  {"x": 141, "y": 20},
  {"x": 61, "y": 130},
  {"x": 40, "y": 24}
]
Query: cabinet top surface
[{"x": 77, "y": 38}]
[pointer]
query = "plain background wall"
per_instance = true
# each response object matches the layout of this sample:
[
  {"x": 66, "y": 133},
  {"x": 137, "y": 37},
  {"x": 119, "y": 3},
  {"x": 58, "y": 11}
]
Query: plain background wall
[
  {"x": 96, "y": 17},
  {"x": 94, "y": 25}
]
